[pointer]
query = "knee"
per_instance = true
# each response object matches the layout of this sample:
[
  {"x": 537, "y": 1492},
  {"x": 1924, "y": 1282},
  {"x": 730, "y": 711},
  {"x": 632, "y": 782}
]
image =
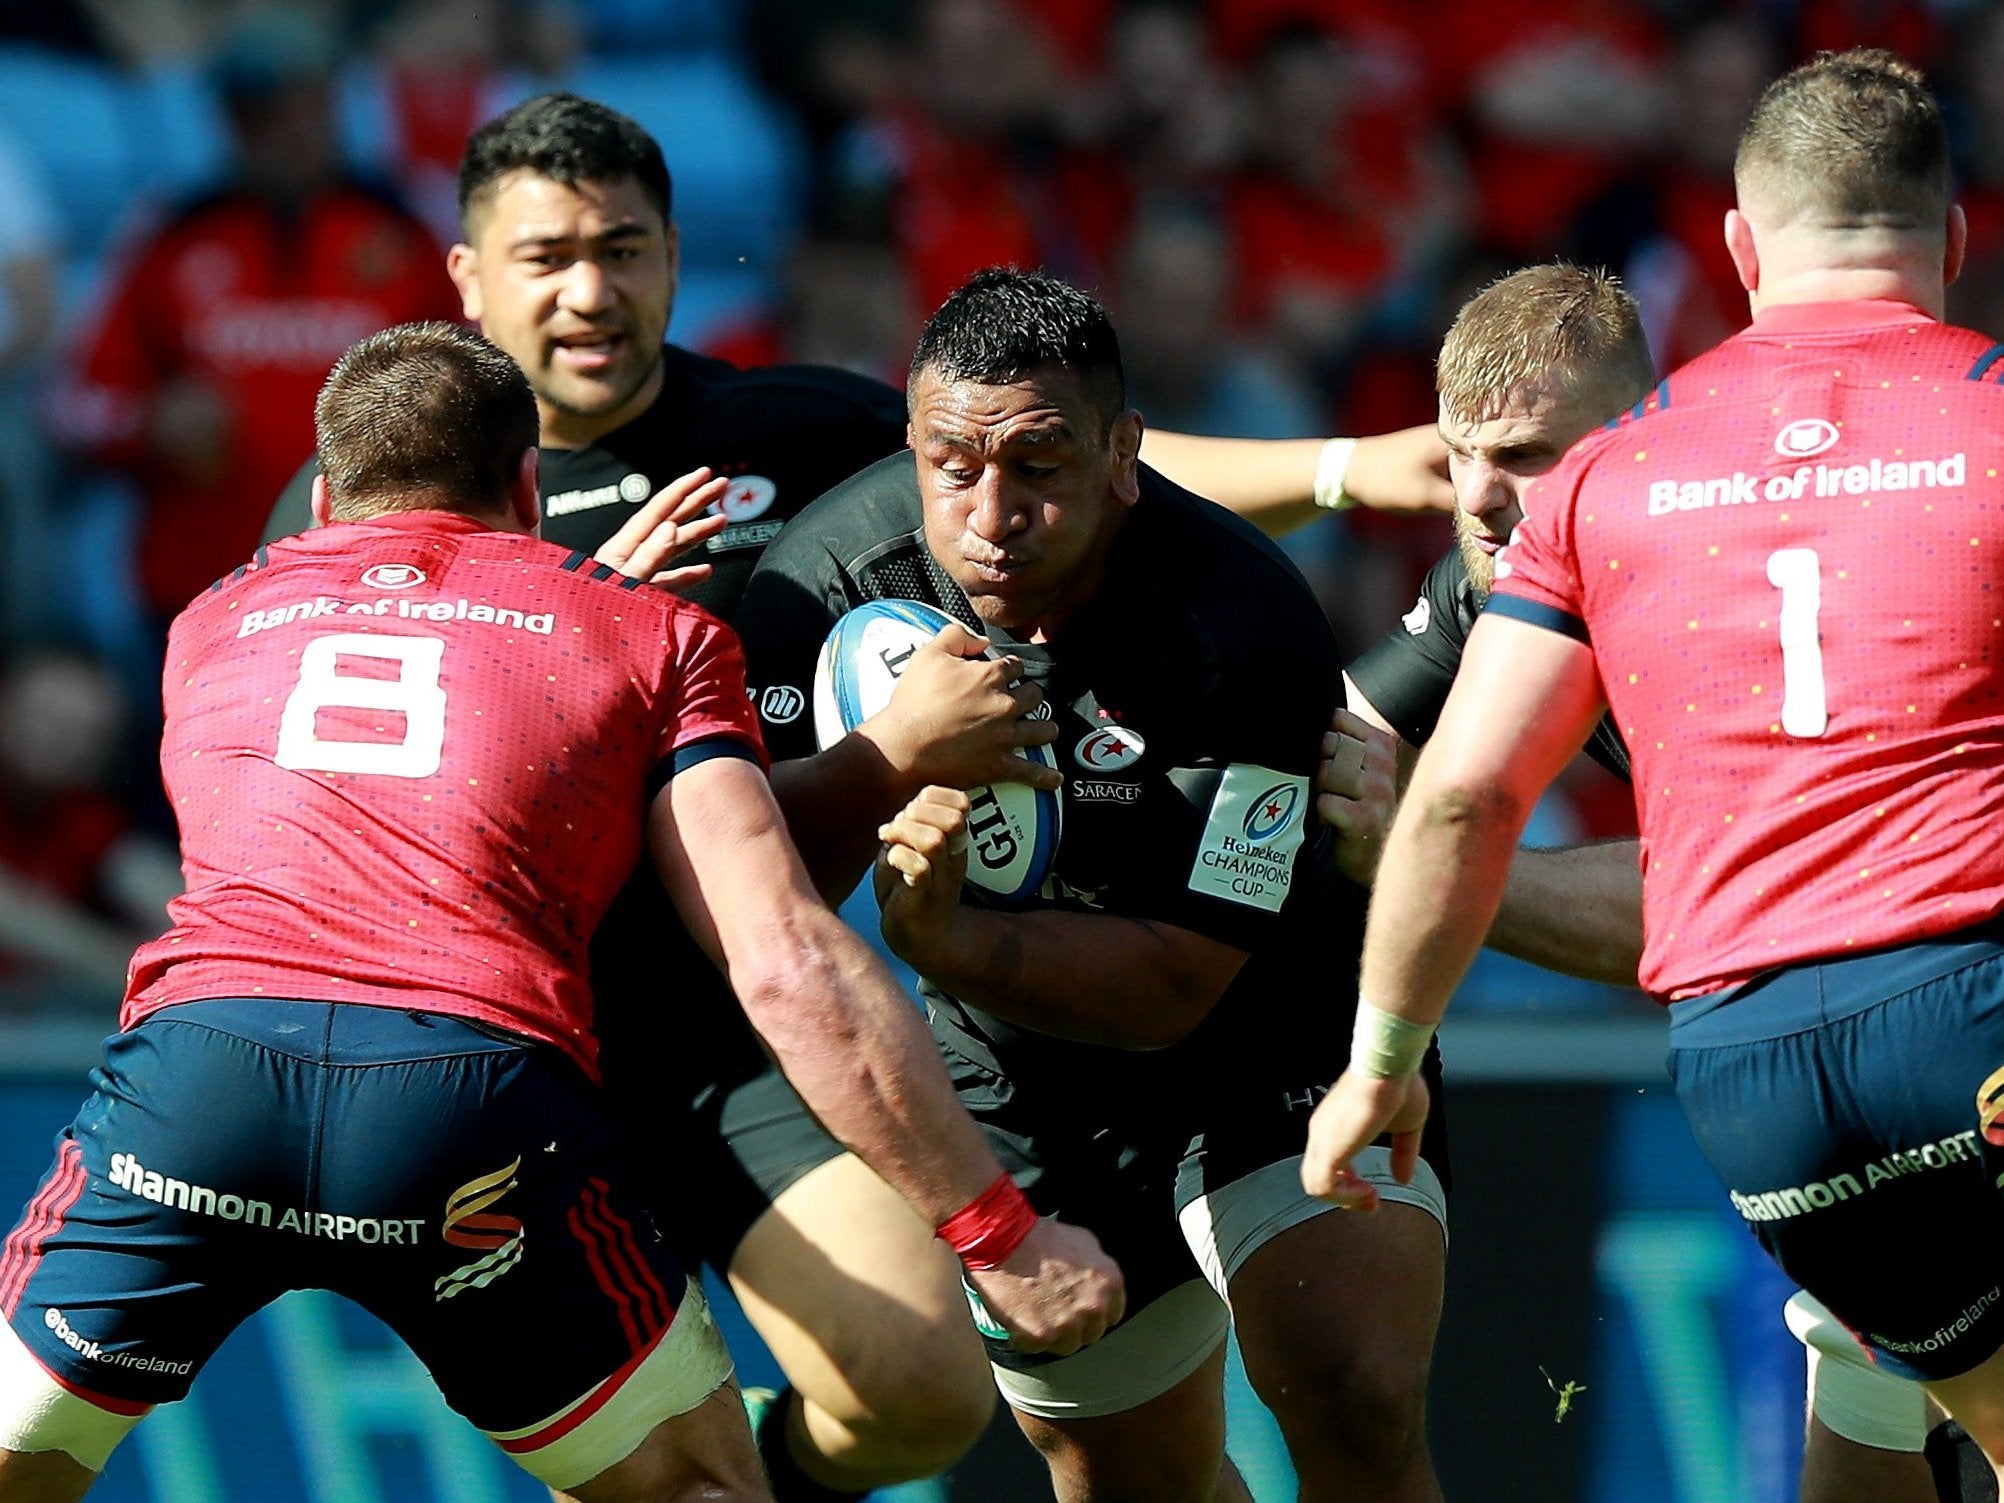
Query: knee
[
  {"x": 1366, "y": 1412},
  {"x": 918, "y": 1407},
  {"x": 1169, "y": 1472},
  {"x": 931, "y": 1418}
]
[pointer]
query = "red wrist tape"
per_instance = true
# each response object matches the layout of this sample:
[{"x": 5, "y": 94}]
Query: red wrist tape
[{"x": 990, "y": 1227}]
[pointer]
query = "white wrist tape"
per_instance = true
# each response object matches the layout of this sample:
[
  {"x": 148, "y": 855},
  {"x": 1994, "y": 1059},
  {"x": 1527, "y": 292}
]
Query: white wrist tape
[
  {"x": 1386, "y": 1046},
  {"x": 1330, "y": 471}
]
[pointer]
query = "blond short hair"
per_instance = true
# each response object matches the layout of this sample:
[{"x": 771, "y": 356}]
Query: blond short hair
[
  {"x": 1851, "y": 136},
  {"x": 1573, "y": 328}
]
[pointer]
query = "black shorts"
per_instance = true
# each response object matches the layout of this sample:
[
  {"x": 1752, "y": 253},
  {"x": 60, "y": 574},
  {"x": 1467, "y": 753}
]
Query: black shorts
[
  {"x": 717, "y": 1133},
  {"x": 1130, "y": 1171}
]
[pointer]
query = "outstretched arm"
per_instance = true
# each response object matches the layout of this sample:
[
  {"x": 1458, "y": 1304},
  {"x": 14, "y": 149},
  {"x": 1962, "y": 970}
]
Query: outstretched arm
[
  {"x": 854, "y": 1047},
  {"x": 1279, "y": 485}
]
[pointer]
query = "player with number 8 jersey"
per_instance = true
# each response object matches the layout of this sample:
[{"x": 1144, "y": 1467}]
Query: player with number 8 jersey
[
  {"x": 414, "y": 753},
  {"x": 361, "y": 678}
]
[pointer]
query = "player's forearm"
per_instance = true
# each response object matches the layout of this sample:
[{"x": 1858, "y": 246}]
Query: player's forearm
[
  {"x": 1269, "y": 482},
  {"x": 1092, "y": 978},
  {"x": 1577, "y": 909},
  {"x": 1436, "y": 896},
  {"x": 857, "y": 1051},
  {"x": 833, "y": 802}
]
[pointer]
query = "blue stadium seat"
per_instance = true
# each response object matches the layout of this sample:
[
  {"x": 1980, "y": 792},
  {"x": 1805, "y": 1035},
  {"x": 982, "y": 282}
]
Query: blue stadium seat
[
  {"x": 177, "y": 129},
  {"x": 626, "y": 28},
  {"x": 72, "y": 118}
]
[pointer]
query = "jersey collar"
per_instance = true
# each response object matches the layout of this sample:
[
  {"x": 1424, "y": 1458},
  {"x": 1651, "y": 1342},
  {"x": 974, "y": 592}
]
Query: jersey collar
[{"x": 1817, "y": 318}]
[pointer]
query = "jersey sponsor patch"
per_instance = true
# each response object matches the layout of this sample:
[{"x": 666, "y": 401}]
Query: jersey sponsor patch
[
  {"x": 781, "y": 704},
  {"x": 1256, "y": 825},
  {"x": 563, "y": 503},
  {"x": 1418, "y": 619}
]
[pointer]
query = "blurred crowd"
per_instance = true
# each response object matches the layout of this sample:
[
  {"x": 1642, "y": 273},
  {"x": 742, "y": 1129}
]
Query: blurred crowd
[{"x": 1282, "y": 202}]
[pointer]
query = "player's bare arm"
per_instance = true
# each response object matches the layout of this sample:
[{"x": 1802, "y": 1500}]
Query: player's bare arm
[
  {"x": 1152, "y": 982},
  {"x": 956, "y": 719},
  {"x": 1281, "y": 484},
  {"x": 856, "y": 1050},
  {"x": 1525, "y": 702},
  {"x": 1574, "y": 909}
]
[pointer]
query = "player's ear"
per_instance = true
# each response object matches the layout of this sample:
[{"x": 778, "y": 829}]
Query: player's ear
[
  {"x": 462, "y": 264},
  {"x": 321, "y": 504},
  {"x": 1957, "y": 245},
  {"x": 1740, "y": 246},
  {"x": 524, "y": 500},
  {"x": 1125, "y": 442}
]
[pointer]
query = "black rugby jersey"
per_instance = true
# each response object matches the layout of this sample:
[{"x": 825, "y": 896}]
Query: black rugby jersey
[
  {"x": 1407, "y": 672},
  {"x": 785, "y": 433},
  {"x": 1191, "y": 696}
]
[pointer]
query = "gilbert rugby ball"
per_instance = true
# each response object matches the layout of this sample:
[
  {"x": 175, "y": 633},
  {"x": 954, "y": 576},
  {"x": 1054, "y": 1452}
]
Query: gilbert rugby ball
[{"x": 1012, "y": 831}]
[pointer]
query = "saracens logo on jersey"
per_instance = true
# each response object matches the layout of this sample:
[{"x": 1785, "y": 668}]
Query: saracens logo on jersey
[
  {"x": 749, "y": 496},
  {"x": 1805, "y": 438},
  {"x": 1109, "y": 749},
  {"x": 393, "y": 576}
]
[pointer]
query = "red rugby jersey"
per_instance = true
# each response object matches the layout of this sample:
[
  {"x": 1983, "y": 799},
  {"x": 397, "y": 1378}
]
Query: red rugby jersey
[
  {"x": 410, "y": 760},
  {"x": 1790, "y": 565}
]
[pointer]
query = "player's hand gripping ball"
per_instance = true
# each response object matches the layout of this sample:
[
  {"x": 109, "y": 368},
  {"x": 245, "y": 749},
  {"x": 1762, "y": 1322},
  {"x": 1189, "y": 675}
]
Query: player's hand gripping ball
[{"x": 1012, "y": 828}]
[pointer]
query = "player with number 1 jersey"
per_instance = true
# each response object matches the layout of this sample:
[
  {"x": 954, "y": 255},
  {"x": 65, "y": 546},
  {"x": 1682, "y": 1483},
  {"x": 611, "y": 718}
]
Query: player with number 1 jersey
[
  {"x": 1816, "y": 591},
  {"x": 374, "y": 764}
]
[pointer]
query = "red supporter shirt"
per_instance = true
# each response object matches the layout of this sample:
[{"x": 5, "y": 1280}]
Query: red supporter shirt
[
  {"x": 254, "y": 308},
  {"x": 410, "y": 759},
  {"x": 1789, "y": 569}
]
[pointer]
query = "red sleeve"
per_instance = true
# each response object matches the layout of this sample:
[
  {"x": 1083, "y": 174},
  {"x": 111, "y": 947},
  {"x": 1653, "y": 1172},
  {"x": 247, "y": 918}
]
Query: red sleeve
[{"x": 710, "y": 707}]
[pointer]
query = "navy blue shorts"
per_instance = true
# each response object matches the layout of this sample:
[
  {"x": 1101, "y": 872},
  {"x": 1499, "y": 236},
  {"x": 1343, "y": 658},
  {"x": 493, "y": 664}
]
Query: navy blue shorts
[
  {"x": 1852, "y": 1108},
  {"x": 465, "y": 1187}
]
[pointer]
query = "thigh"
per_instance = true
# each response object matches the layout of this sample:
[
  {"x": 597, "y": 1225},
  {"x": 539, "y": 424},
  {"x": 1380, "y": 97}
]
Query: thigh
[
  {"x": 703, "y": 1455},
  {"x": 1858, "y": 1149},
  {"x": 1239, "y": 1188},
  {"x": 1169, "y": 1448},
  {"x": 1341, "y": 1310},
  {"x": 851, "y": 1289}
]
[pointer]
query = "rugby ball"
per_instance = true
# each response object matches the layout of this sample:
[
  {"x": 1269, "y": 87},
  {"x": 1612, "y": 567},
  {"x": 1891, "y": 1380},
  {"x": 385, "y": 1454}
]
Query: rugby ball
[{"x": 1012, "y": 829}]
